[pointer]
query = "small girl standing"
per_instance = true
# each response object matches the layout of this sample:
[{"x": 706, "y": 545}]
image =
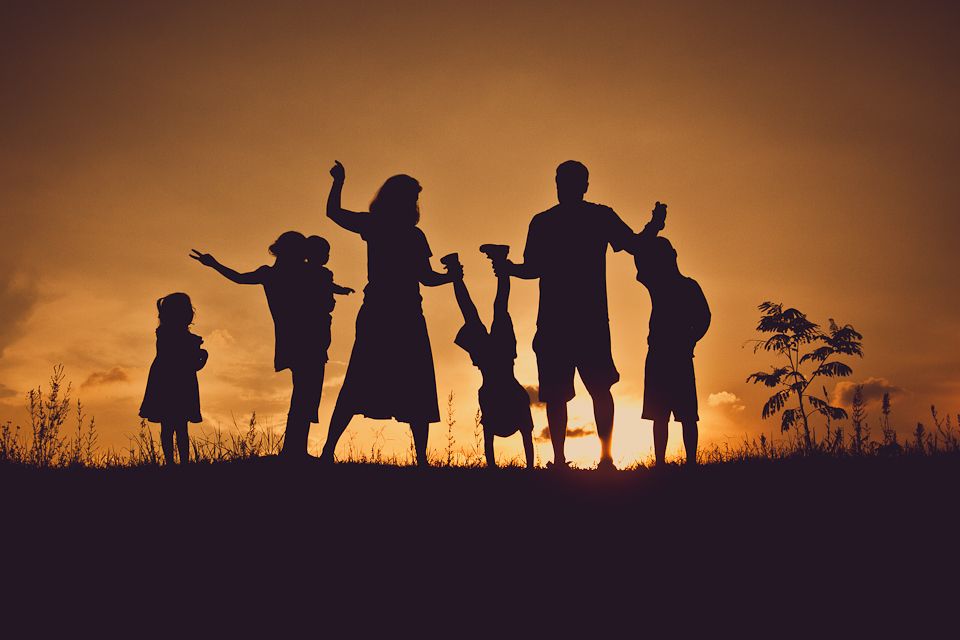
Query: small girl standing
[{"x": 172, "y": 397}]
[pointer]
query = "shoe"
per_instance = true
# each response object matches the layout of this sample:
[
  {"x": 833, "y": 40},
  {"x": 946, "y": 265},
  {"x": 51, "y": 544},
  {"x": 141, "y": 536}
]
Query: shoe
[
  {"x": 563, "y": 466},
  {"x": 496, "y": 252}
]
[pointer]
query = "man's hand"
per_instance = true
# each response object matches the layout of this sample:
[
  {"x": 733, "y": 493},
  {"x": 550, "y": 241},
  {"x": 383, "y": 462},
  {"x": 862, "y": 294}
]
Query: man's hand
[
  {"x": 503, "y": 268},
  {"x": 347, "y": 291},
  {"x": 205, "y": 259},
  {"x": 338, "y": 172}
]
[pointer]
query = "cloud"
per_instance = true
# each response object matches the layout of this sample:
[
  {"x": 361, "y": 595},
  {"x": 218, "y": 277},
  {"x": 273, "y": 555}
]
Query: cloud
[
  {"x": 725, "y": 400},
  {"x": 18, "y": 297},
  {"x": 873, "y": 390},
  {"x": 575, "y": 432},
  {"x": 100, "y": 378},
  {"x": 534, "y": 392},
  {"x": 6, "y": 392}
]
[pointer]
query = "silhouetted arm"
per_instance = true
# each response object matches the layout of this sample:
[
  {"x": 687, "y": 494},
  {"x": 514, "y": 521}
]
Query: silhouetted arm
[
  {"x": 349, "y": 220},
  {"x": 650, "y": 231},
  {"x": 529, "y": 269},
  {"x": 701, "y": 320},
  {"x": 431, "y": 278},
  {"x": 207, "y": 260}
]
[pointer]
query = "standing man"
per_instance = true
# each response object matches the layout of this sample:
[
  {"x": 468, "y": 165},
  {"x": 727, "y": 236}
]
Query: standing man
[{"x": 567, "y": 250}]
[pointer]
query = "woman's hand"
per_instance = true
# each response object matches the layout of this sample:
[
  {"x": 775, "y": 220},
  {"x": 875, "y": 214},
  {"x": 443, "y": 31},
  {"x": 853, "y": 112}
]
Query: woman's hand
[
  {"x": 338, "y": 172},
  {"x": 205, "y": 259}
]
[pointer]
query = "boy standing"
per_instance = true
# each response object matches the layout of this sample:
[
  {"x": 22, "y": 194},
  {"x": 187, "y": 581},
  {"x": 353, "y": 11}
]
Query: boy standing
[{"x": 679, "y": 319}]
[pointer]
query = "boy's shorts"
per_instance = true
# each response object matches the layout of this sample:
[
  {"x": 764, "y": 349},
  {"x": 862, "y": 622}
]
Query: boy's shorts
[
  {"x": 557, "y": 360},
  {"x": 669, "y": 386},
  {"x": 307, "y": 388}
]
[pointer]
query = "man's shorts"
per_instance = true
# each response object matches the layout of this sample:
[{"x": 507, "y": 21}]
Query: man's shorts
[
  {"x": 307, "y": 388},
  {"x": 669, "y": 386},
  {"x": 559, "y": 358}
]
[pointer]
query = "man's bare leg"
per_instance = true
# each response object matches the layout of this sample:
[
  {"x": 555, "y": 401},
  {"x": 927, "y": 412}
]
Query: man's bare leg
[
  {"x": 603, "y": 415},
  {"x": 660, "y": 433},
  {"x": 557, "y": 424},
  {"x": 690, "y": 437}
]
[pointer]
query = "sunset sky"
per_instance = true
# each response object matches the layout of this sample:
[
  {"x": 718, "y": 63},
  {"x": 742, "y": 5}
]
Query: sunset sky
[{"x": 808, "y": 154}]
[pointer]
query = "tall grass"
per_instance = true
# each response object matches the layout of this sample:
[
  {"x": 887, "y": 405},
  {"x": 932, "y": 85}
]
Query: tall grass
[{"x": 49, "y": 443}]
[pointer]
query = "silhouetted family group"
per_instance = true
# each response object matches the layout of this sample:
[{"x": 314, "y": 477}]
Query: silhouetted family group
[{"x": 391, "y": 372}]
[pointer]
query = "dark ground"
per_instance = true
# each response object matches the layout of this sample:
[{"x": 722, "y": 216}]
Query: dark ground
[{"x": 815, "y": 536}]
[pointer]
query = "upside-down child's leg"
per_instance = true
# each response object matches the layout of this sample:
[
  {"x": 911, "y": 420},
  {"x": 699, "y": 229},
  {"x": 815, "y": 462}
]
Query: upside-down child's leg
[
  {"x": 660, "y": 433},
  {"x": 690, "y": 437},
  {"x": 528, "y": 447},
  {"x": 488, "y": 448},
  {"x": 465, "y": 302},
  {"x": 501, "y": 302}
]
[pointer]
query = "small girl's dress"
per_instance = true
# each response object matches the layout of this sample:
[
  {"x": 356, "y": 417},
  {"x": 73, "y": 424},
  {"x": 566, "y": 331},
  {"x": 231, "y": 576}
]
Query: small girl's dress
[{"x": 172, "y": 391}]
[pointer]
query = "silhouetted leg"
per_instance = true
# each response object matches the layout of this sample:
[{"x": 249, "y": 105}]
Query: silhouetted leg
[
  {"x": 488, "y": 448},
  {"x": 339, "y": 422},
  {"x": 603, "y": 414},
  {"x": 467, "y": 307},
  {"x": 660, "y": 433},
  {"x": 295, "y": 437},
  {"x": 557, "y": 424},
  {"x": 166, "y": 441},
  {"x": 183, "y": 442},
  {"x": 421, "y": 431},
  {"x": 690, "y": 437},
  {"x": 528, "y": 447}
]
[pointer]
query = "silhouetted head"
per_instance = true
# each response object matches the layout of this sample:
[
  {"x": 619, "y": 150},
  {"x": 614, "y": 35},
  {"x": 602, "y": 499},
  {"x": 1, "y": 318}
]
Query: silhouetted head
[
  {"x": 291, "y": 246},
  {"x": 662, "y": 258},
  {"x": 398, "y": 200},
  {"x": 572, "y": 181},
  {"x": 175, "y": 311},
  {"x": 318, "y": 250}
]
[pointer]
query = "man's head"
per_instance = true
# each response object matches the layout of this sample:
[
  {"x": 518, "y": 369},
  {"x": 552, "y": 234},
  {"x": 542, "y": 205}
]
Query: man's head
[
  {"x": 318, "y": 250},
  {"x": 572, "y": 181}
]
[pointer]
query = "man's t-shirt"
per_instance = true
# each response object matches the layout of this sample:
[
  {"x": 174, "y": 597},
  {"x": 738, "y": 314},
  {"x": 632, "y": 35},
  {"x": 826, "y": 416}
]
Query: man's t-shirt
[{"x": 567, "y": 246}]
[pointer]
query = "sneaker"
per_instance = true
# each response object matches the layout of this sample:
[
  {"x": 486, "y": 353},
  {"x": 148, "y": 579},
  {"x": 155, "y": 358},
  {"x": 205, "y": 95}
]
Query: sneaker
[
  {"x": 563, "y": 466},
  {"x": 496, "y": 252}
]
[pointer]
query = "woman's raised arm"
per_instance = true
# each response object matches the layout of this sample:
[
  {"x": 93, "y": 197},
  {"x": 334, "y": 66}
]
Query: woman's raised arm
[{"x": 349, "y": 220}]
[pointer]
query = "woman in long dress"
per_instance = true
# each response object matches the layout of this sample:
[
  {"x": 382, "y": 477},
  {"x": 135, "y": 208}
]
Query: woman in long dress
[{"x": 391, "y": 373}]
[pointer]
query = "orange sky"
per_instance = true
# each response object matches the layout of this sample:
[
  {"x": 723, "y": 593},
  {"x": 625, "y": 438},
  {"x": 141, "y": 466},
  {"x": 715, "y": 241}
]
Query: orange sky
[{"x": 808, "y": 155}]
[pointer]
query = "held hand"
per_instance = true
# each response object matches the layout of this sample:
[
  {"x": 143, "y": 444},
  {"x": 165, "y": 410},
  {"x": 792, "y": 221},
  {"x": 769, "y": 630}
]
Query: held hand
[
  {"x": 348, "y": 290},
  {"x": 205, "y": 259},
  {"x": 455, "y": 271},
  {"x": 338, "y": 172},
  {"x": 659, "y": 213},
  {"x": 503, "y": 268}
]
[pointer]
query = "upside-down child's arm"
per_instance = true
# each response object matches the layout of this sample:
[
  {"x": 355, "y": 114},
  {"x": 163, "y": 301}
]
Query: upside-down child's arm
[{"x": 207, "y": 260}]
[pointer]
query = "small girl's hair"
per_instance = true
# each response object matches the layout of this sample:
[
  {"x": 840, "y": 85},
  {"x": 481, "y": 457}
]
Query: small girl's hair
[
  {"x": 318, "y": 249},
  {"x": 290, "y": 244},
  {"x": 175, "y": 310}
]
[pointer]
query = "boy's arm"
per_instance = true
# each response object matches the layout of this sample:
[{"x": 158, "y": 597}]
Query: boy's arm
[
  {"x": 207, "y": 260},
  {"x": 658, "y": 218},
  {"x": 701, "y": 320}
]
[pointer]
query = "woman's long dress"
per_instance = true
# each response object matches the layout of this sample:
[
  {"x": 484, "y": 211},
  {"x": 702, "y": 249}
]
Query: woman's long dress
[{"x": 391, "y": 372}]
